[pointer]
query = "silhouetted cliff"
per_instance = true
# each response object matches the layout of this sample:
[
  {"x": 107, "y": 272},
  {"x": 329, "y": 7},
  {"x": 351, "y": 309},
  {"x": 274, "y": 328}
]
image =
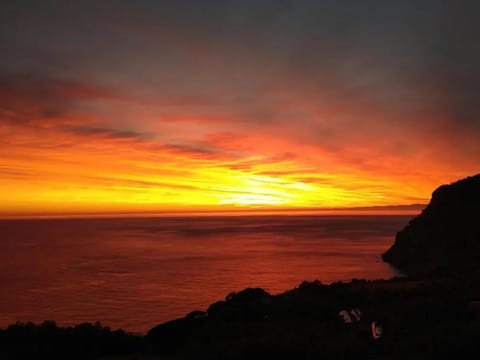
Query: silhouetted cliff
[{"x": 445, "y": 237}]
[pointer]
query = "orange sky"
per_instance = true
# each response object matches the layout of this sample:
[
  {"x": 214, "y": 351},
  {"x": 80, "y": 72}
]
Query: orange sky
[
  {"x": 57, "y": 166},
  {"x": 133, "y": 114}
]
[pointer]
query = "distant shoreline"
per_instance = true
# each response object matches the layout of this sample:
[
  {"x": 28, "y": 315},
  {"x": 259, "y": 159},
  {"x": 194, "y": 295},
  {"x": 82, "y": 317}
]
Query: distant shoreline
[{"x": 413, "y": 209}]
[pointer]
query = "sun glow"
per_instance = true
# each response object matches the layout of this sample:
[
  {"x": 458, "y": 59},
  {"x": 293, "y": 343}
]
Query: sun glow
[
  {"x": 254, "y": 190},
  {"x": 169, "y": 115},
  {"x": 47, "y": 171}
]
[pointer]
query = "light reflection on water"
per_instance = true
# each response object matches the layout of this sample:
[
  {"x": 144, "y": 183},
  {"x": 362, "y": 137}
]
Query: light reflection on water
[{"x": 135, "y": 273}]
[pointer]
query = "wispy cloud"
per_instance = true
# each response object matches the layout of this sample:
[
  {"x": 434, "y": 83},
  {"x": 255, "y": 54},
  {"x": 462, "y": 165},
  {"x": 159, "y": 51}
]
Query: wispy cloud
[{"x": 301, "y": 104}]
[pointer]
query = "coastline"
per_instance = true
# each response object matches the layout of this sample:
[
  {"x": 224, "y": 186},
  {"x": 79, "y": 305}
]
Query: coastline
[
  {"x": 432, "y": 313},
  {"x": 303, "y": 322}
]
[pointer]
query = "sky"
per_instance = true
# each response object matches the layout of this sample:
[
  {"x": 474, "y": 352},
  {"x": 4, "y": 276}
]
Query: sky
[{"x": 141, "y": 106}]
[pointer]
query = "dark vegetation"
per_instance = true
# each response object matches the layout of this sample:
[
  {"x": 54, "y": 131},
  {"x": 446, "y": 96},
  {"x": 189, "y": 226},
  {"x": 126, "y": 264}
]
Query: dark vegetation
[
  {"x": 432, "y": 314},
  {"x": 421, "y": 320},
  {"x": 48, "y": 341}
]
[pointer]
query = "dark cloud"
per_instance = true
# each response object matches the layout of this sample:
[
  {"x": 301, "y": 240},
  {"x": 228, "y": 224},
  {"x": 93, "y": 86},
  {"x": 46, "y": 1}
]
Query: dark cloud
[
  {"x": 44, "y": 87},
  {"x": 30, "y": 99},
  {"x": 234, "y": 50},
  {"x": 330, "y": 74},
  {"x": 91, "y": 131},
  {"x": 196, "y": 151}
]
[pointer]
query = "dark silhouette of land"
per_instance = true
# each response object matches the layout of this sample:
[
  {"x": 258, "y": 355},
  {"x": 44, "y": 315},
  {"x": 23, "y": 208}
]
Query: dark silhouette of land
[
  {"x": 421, "y": 319},
  {"x": 83, "y": 341},
  {"x": 434, "y": 313},
  {"x": 445, "y": 236}
]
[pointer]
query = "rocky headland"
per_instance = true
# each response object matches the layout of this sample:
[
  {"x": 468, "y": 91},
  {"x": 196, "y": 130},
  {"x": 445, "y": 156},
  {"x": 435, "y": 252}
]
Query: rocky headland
[{"x": 445, "y": 237}]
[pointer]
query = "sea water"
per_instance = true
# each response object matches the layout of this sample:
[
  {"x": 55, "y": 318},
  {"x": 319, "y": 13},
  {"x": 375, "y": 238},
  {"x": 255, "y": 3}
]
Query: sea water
[{"x": 135, "y": 273}]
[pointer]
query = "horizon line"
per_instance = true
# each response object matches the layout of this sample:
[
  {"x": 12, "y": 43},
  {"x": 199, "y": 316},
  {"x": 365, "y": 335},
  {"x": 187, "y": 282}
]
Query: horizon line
[{"x": 411, "y": 209}]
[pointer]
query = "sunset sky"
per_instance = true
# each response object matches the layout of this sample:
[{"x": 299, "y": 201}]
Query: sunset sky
[{"x": 140, "y": 106}]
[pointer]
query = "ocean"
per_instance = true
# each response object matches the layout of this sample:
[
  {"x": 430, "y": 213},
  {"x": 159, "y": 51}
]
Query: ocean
[{"x": 134, "y": 273}]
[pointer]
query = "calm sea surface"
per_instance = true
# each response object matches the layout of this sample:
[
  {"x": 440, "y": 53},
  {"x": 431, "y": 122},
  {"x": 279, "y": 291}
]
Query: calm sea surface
[{"x": 135, "y": 273}]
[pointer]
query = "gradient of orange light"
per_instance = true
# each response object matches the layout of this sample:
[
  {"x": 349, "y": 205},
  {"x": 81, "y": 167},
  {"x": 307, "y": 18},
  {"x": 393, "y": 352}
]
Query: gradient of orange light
[
  {"x": 53, "y": 172},
  {"x": 82, "y": 181}
]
